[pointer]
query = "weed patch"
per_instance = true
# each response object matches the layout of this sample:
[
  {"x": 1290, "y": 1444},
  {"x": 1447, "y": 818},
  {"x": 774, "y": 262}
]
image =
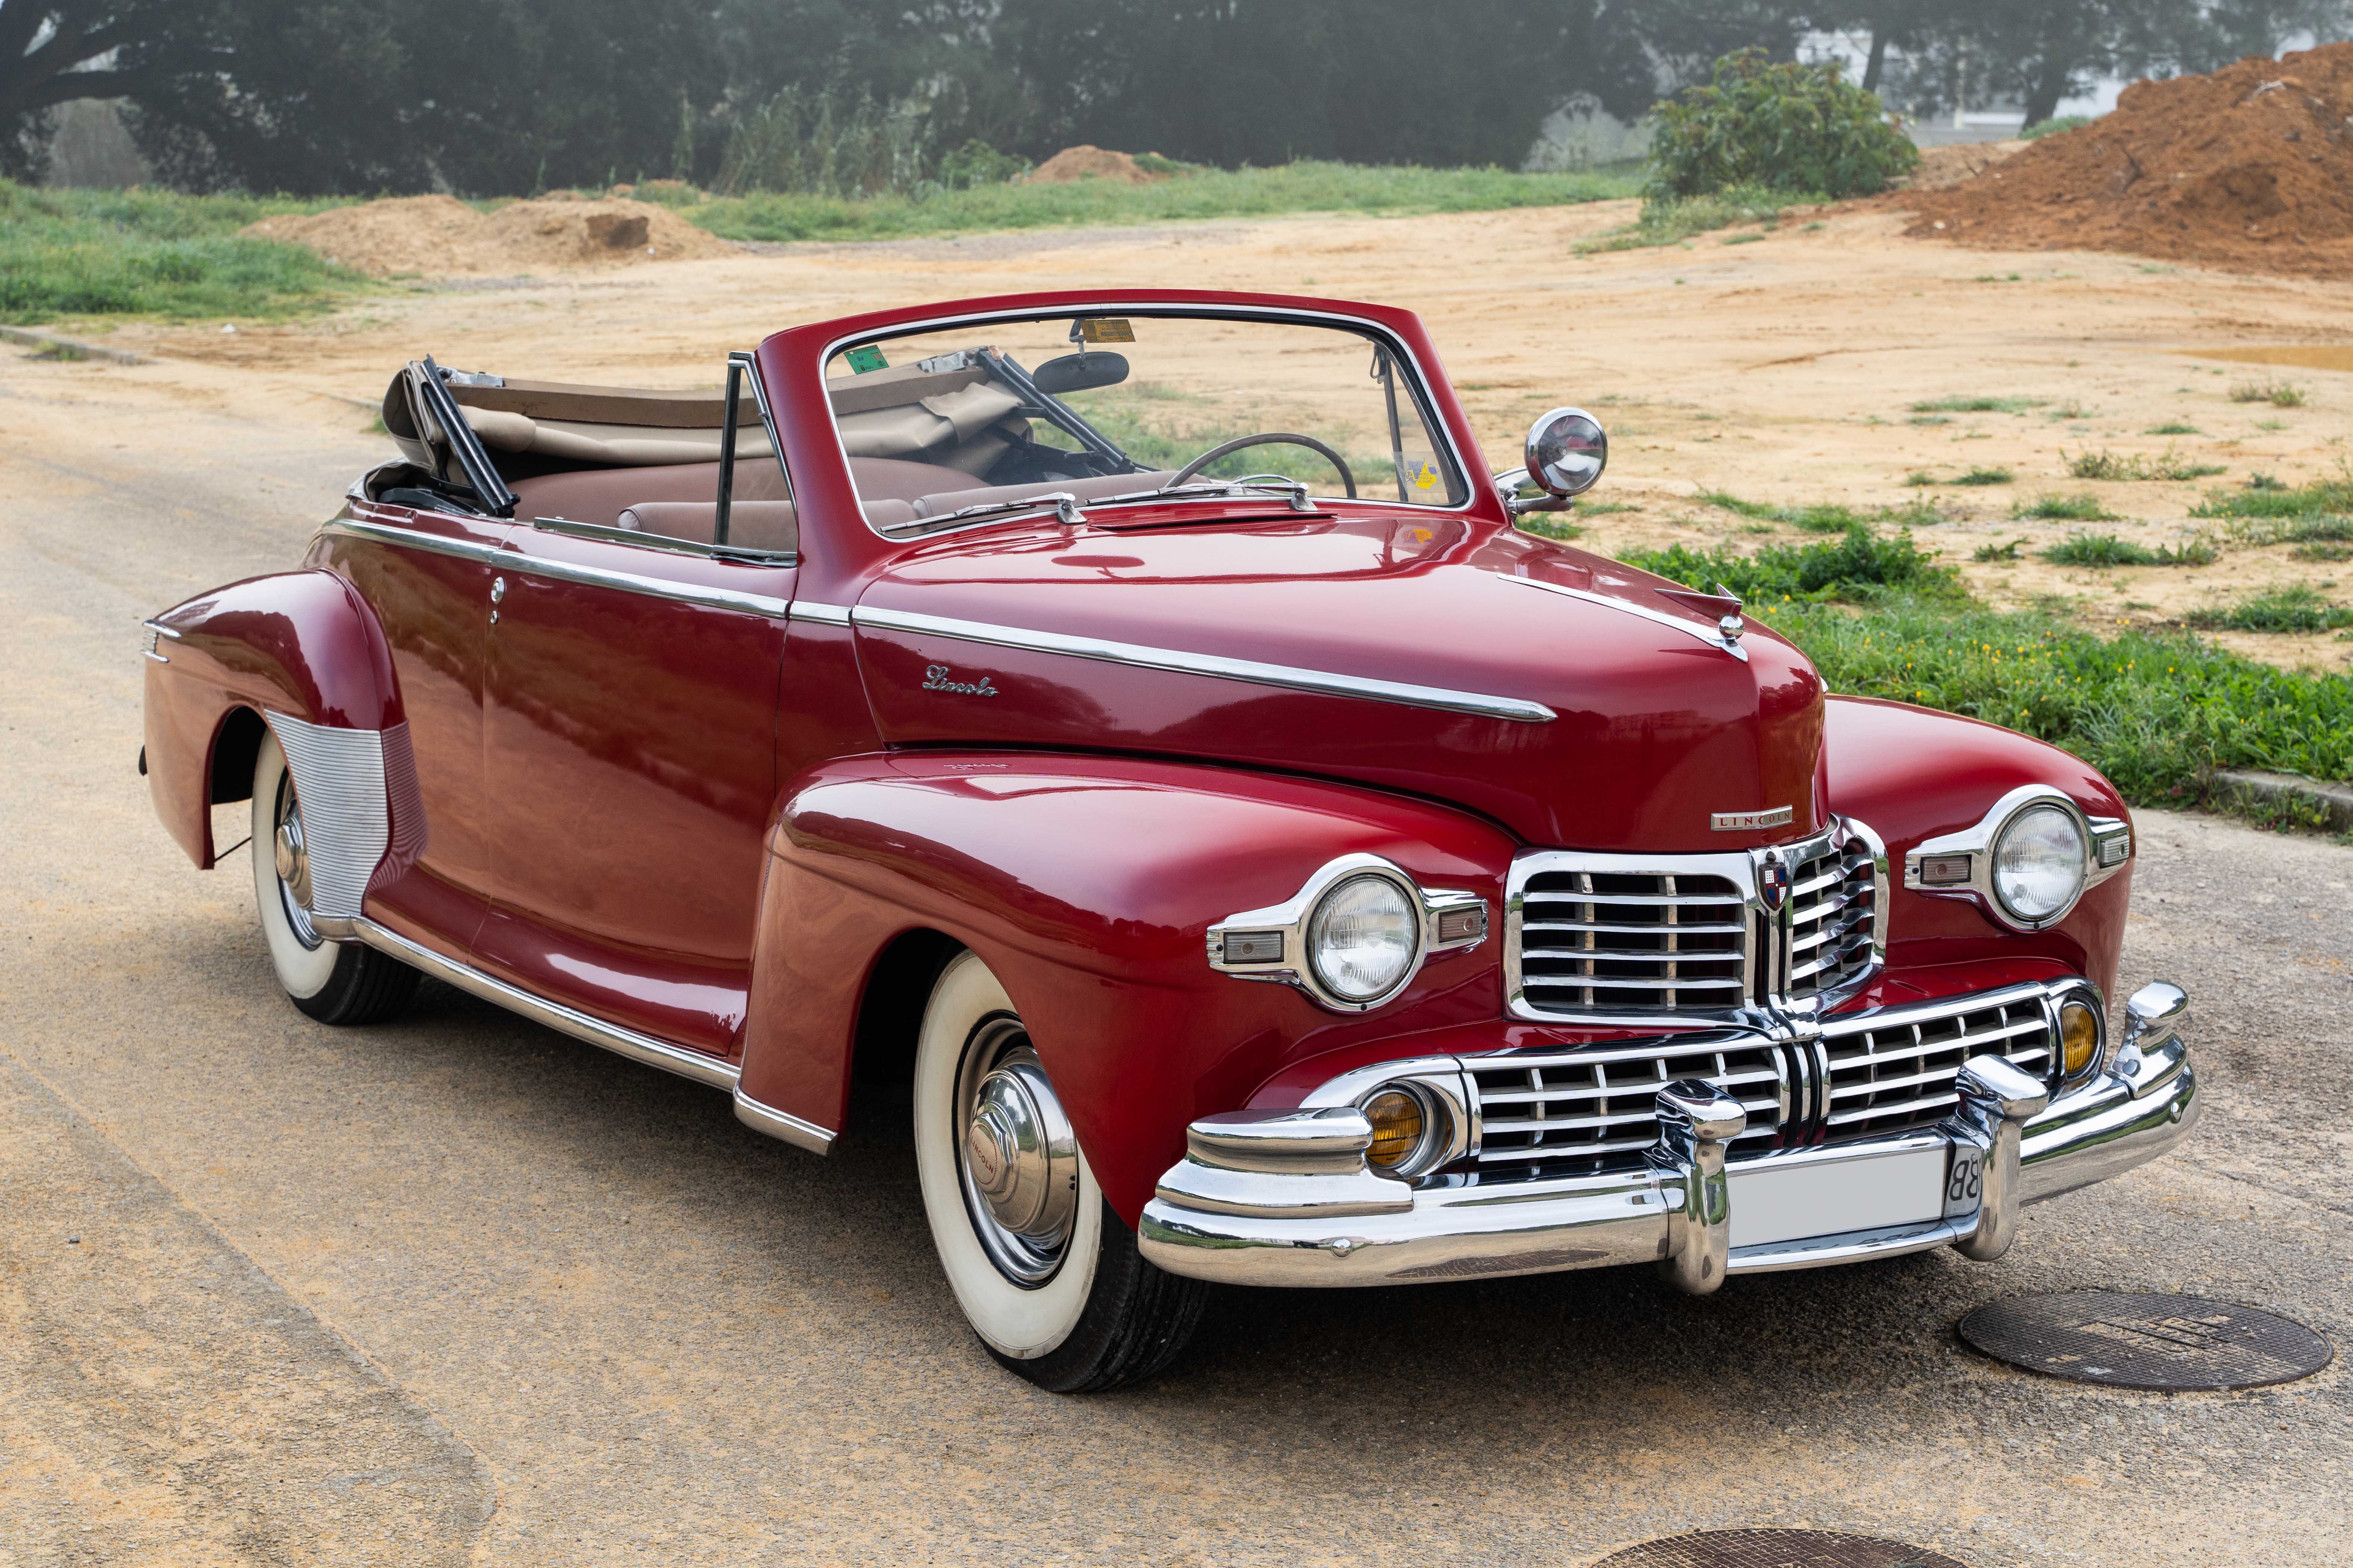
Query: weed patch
[
  {"x": 2003, "y": 552},
  {"x": 1304, "y": 186},
  {"x": 1671, "y": 220},
  {"x": 2321, "y": 499},
  {"x": 2174, "y": 427},
  {"x": 2156, "y": 711},
  {"x": 2278, "y": 394},
  {"x": 1977, "y": 404},
  {"x": 2298, "y": 607},
  {"x": 104, "y": 253},
  {"x": 2167, "y": 465},
  {"x": 2107, "y": 550},
  {"x": 2082, "y": 508},
  {"x": 1825, "y": 518},
  {"x": 1862, "y": 568}
]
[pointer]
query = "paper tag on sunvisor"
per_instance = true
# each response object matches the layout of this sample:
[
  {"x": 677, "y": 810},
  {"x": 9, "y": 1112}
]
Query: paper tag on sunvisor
[
  {"x": 1105, "y": 330},
  {"x": 866, "y": 357}
]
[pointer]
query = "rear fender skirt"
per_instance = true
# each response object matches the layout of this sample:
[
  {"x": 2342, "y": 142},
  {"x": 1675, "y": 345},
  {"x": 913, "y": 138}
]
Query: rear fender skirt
[
  {"x": 297, "y": 648},
  {"x": 1087, "y": 885}
]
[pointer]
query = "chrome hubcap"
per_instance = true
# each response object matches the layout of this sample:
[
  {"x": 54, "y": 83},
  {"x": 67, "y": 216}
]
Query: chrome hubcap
[
  {"x": 292, "y": 857},
  {"x": 1017, "y": 1156}
]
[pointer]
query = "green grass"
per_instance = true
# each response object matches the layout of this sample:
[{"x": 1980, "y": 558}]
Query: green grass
[
  {"x": 1666, "y": 221},
  {"x": 1823, "y": 517},
  {"x": 1977, "y": 404},
  {"x": 2167, "y": 465},
  {"x": 1547, "y": 526},
  {"x": 67, "y": 253},
  {"x": 1862, "y": 568},
  {"x": 2156, "y": 711},
  {"x": 2174, "y": 427},
  {"x": 2005, "y": 551},
  {"x": 2082, "y": 508},
  {"x": 2106, "y": 549},
  {"x": 2271, "y": 500},
  {"x": 2323, "y": 551},
  {"x": 1302, "y": 186},
  {"x": 2298, "y": 607},
  {"x": 1986, "y": 477}
]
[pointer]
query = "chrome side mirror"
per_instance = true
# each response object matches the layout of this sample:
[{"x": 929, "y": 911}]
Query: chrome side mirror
[{"x": 1567, "y": 451}]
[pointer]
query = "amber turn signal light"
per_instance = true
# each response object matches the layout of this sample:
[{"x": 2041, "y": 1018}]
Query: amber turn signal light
[
  {"x": 2079, "y": 1037},
  {"x": 1396, "y": 1121}
]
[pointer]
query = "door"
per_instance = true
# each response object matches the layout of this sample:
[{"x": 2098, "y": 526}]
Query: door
[
  {"x": 630, "y": 776},
  {"x": 426, "y": 575}
]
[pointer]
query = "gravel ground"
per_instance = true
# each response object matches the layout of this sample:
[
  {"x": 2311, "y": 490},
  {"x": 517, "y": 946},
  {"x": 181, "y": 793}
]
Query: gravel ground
[{"x": 461, "y": 1289}]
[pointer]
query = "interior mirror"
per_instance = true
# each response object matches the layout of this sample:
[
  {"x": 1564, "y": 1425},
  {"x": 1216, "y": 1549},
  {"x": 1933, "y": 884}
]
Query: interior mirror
[
  {"x": 1567, "y": 452},
  {"x": 1080, "y": 373}
]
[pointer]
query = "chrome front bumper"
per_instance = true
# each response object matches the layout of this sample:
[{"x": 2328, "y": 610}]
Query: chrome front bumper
[{"x": 1286, "y": 1199}]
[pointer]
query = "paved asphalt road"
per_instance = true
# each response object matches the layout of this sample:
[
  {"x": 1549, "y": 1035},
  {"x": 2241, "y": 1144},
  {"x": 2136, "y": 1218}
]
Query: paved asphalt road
[{"x": 460, "y": 1290}]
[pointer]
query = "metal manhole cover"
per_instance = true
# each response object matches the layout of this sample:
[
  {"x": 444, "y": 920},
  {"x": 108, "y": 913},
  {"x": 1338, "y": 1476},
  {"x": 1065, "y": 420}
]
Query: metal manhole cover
[
  {"x": 1775, "y": 1549},
  {"x": 2123, "y": 1341}
]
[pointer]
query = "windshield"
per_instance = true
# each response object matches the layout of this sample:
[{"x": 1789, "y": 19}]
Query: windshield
[{"x": 1104, "y": 409}]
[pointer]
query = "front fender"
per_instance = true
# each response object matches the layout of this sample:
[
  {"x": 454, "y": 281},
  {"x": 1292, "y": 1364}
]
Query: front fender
[
  {"x": 1915, "y": 774},
  {"x": 301, "y": 645},
  {"x": 1087, "y": 884}
]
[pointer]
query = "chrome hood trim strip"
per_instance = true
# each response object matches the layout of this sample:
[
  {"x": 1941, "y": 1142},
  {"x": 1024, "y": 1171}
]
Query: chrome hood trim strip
[
  {"x": 1217, "y": 667},
  {"x": 1708, "y": 635}
]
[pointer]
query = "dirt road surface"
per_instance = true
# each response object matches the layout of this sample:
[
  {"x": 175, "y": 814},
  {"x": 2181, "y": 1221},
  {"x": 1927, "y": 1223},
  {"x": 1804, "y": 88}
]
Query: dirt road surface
[{"x": 460, "y": 1290}]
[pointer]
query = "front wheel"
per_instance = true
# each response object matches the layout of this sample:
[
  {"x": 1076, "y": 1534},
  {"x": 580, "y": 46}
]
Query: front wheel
[
  {"x": 1046, "y": 1273},
  {"x": 334, "y": 981}
]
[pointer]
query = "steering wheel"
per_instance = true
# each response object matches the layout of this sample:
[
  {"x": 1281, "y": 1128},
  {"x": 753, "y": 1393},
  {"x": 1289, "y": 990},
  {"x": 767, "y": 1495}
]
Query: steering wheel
[{"x": 1267, "y": 438}]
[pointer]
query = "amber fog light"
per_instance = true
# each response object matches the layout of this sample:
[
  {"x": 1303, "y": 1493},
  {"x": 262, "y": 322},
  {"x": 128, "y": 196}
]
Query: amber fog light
[
  {"x": 2079, "y": 1037},
  {"x": 1400, "y": 1126}
]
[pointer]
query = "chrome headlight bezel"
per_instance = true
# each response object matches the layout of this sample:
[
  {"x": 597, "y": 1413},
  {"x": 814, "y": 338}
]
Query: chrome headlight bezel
[
  {"x": 1960, "y": 865},
  {"x": 1272, "y": 943}
]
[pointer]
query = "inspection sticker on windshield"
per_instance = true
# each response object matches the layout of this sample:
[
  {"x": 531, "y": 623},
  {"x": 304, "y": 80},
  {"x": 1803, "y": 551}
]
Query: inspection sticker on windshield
[
  {"x": 866, "y": 357},
  {"x": 1105, "y": 330},
  {"x": 1424, "y": 475}
]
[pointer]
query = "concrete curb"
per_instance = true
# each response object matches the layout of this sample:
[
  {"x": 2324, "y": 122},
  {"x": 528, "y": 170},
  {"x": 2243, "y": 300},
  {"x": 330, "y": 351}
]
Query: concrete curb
[
  {"x": 2334, "y": 802},
  {"x": 32, "y": 339}
]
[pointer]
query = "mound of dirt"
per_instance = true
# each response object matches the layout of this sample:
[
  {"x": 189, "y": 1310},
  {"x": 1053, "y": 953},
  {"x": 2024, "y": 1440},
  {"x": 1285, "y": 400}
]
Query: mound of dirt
[
  {"x": 440, "y": 237},
  {"x": 1940, "y": 167},
  {"x": 2250, "y": 168},
  {"x": 1085, "y": 162}
]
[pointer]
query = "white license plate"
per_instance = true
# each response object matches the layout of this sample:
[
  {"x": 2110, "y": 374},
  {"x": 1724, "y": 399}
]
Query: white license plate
[{"x": 1776, "y": 1201}]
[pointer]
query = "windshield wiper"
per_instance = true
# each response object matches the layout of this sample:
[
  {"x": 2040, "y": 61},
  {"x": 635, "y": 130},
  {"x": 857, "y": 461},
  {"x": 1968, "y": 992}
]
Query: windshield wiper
[
  {"x": 1064, "y": 504},
  {"x": 1215, "y": 489}
]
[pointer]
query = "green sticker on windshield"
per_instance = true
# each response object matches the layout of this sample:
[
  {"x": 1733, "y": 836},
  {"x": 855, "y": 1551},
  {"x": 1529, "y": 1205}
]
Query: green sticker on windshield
[{"x": 866, "y": 357}]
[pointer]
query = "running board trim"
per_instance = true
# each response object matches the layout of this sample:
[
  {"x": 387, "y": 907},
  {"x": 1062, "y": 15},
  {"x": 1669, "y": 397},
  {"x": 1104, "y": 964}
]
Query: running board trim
[
  {"x": 621, "y": 1042},
  {"x": 782, "y": 1124}
]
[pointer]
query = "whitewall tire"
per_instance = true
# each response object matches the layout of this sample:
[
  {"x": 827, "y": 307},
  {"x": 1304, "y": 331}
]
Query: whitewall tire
[
  {"x": 334, "y": 981},
  {"x": 1046, "y": 1273}
]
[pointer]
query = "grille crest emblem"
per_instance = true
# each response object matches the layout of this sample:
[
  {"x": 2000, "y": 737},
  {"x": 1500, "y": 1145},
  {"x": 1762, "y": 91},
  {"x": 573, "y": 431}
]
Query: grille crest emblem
[{"x": 1773, "y": 881}]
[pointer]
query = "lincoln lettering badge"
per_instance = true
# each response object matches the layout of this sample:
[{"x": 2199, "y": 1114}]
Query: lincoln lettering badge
[
  {"x": 935, "y": 678},
  {"x": 1773, "y": 881},
  {"x": 1750, "y": 821}
]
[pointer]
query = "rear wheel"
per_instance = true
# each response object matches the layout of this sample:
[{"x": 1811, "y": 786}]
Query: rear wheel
[
  {"x": 1046, "y": 1273},
  {"x": 334, "y": 981}
]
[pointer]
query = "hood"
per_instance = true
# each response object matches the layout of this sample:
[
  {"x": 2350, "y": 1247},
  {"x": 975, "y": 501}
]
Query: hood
[{"x": 1396, "y": 650}]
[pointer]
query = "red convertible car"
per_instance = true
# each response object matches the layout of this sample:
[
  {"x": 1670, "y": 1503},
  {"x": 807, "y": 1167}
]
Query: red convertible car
[{"x": 1132, "y": 728}]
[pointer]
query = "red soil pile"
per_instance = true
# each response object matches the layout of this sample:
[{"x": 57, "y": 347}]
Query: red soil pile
[
  {"x": 1088, "y": 163},
  {"x": 437, "y": 237},
  {"x": 2250, "y": 168}
]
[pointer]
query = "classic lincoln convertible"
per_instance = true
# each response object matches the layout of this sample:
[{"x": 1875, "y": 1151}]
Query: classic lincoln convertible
[{"x": 1134, "y": 731}]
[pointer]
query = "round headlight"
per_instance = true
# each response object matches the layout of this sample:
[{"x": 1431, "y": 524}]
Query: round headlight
[
  {"x": 1363, "y": 938},
  {"x": 2038, "y": 862}
]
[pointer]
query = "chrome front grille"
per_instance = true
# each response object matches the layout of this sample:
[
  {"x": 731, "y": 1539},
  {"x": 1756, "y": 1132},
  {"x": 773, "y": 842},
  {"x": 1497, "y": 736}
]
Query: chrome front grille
[
  {"x": 1591, "y": 1110},
  {"x": 1605, "y": 942},
  {"x": 1695, "y": 939},
  {"x": 1895, "y": 1070},
  {"x": 1585, "y": 1111},
  {"x": 1834, "y": 900}
]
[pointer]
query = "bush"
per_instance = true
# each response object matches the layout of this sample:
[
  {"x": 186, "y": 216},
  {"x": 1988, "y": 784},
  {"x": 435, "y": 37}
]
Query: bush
[
  {"x": 2053, "y": 126},
  {"x": 979, "y": 163},
  {"x": 1785, "y": 127},
  {"x": 828, "y": 142}
]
